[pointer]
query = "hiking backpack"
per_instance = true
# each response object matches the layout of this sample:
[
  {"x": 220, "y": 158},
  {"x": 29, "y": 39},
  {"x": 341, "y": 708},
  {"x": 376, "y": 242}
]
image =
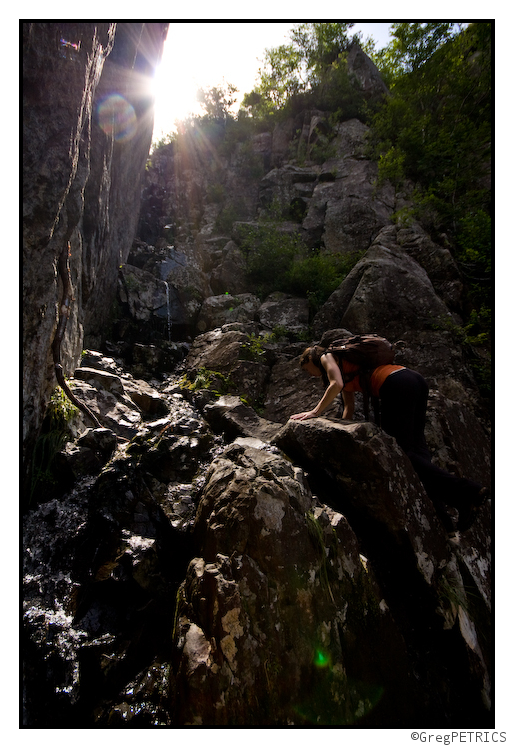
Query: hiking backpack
[{"x": 367, "y": 352}]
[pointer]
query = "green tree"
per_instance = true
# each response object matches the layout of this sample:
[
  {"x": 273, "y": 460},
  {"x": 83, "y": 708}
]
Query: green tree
[
  {"x": 436, "y": 127},
  {"x": 412, "y": 45},
  {"x": 435, "y": 131},
  {"x": 280, "y": 79},
  {"x": 217, "y": 101},
  {"x": 269, "y": 255},
  {"x": 320, "y": 45},
  {"x": 304, "y": 65}
]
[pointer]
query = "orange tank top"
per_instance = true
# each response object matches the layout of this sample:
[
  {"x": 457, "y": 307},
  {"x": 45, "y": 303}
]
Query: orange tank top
[{"x": 378, "y": 377}]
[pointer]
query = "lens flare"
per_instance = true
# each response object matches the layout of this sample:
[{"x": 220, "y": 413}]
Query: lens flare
[
  {"x": 321, "y": 659},
  {"x": 117, "y": 118}
]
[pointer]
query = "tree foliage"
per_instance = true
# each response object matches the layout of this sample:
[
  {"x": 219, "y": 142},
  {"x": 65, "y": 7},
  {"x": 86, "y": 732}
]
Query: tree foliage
[
  {"x": 320, "y": 46},
  {"x": 435, "y": 132},
  {"x": 279, "y": 261},
  {"x": 438, "y": 120},
  {"x": 413, "y": 44},
  {"x": 313, "y": 64},
  {"x": 217, "y": 101}
]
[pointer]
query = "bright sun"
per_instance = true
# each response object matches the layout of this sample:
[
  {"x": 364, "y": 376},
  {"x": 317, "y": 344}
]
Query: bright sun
[
  {"x": 222, "y": 53},
  {"x": 203, "y": 55},
  {"x": 174, "y": 100}
]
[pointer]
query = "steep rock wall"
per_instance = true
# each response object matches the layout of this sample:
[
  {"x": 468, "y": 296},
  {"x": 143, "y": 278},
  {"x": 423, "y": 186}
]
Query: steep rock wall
[{"x": 87, "y": 127}]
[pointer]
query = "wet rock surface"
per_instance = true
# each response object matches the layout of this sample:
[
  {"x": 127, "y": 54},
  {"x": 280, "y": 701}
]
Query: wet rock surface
[{"x": 198, "y": 563}]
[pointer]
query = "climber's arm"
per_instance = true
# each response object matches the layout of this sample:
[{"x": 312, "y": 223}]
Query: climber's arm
[{"x": 349, "y": 405}]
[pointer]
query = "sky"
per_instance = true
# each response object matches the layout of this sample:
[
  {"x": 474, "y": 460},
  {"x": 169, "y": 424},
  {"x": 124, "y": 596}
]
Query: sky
[{"x": 203, "y": 55}]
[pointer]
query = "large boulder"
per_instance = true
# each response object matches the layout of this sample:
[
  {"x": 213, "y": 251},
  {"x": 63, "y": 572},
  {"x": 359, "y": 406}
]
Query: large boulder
[
  {"x": 286, "y": 132},
  {"x": 217, "y": 350},
  {"x": 217, "y": 311},
  {"x": 283, "y": 588},
  {"x": 229, "y": 275},
  {"x": 231, "y": 416},
  {"x": 282, "y": 186},
  {"x": 347, "y": 208},
  {"x": 438, "y": 262},
  {"x": 144, "y": 293},
  {"x": 162, "y": 293},
  {"x": 365, "y": 73},
  {"x": 459, "y": 441},
  {"x": 231, "y": 359},
  {"x": 359, "y": 459},
  {"x": 387, "y": 291},
  {"x": 121, "y": 403},
  {"x": 356, "y": 209},
  {"x": 279, "y": 594},
  {"x": 351, "y": 139},
  {"x": 114, "y": 410},
  {"x": 282, "y": 311},
  {"x": 372, "y": 482}
]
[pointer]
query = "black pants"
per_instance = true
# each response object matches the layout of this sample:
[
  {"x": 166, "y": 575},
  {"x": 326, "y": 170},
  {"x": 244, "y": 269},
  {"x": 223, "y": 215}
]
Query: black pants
[{"x": 403, "y": 405}]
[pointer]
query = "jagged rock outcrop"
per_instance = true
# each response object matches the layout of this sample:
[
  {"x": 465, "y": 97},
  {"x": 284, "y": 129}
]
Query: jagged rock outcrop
[
  {"x": 279, "y": 594},
  {"x": 336, "y": 206},
  {"x": 228, "y": 274},
  {"x": 306, "y": 553},
  {"x": 87, "y": 129},
  {"x": 377, "y": 295},
  {"x": 219, "y": 310},
  {"x": 312, "y": 615},
  {"x": 352, "y": 207},
  {"x": 365, "y": 73}
]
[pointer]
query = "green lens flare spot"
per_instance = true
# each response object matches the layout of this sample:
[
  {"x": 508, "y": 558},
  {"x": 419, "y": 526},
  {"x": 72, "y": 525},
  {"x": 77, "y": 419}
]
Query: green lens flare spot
[{"x": 321, "y": 659}]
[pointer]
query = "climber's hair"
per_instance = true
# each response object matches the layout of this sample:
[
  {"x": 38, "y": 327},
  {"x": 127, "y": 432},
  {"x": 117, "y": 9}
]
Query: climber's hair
[{"x": 313, "y": 353}]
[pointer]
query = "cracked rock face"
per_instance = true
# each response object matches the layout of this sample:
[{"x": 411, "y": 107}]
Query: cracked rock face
[
  {"x": 270, "y": 601},
  {"x": 284, "y": 590},
  {"x": 290, "y": 574},
  {"x": 81, "y": 183}
]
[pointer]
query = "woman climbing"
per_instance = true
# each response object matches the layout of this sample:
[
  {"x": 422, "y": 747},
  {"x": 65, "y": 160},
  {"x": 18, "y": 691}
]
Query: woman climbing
[{"x": 403, "y": 396}]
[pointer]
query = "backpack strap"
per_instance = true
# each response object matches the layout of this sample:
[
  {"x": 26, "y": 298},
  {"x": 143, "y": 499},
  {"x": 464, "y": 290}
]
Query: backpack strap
[
  {"x": 363, "y": 374},
  {"x": 365, "y": 383}
]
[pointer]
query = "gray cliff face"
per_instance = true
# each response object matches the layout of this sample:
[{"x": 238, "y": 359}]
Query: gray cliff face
[
  {"x": 200, "y": 559},
  {"x": 81, "y": 180},
  {"x": 404, "y": 279},
  {"x": 334, "y": 206}
]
